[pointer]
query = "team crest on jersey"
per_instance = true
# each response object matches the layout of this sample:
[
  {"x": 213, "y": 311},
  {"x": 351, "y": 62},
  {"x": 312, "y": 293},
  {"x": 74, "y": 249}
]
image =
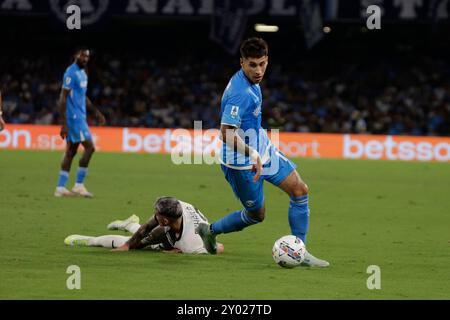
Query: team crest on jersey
[
  {"x": 234, "y": 111},
  {"x": 68, "y": 80},
  {"x": 257, "y": 111}
]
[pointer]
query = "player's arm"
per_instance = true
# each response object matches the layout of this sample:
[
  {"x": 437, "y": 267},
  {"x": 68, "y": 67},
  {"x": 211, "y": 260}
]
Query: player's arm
[
  {"x": 2, "y": 122},
  {"x": 231, "y": 138},
  {"x": 62, "y": 111},
  {"x": 149, "y": 233},
  {"x": 100, "y": 117}
]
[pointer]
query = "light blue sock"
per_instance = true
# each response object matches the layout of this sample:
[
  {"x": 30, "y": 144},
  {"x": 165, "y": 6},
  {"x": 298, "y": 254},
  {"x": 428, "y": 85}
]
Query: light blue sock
[
  {"x": 299, "y": 216},
  {"x": 235, "y": 221},
  {"x": 81, "y": 174},
  {"x": 63, "y": 177}
]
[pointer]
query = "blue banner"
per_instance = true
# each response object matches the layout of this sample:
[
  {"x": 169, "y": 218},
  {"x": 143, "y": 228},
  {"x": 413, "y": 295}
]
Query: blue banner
[{"x": 228, "y": 23}]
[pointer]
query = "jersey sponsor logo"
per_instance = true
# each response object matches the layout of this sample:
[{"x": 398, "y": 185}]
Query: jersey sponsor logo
[{"x": 234, "y": 111}]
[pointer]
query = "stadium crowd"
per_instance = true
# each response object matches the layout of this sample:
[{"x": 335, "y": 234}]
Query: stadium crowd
[{"x": 313, "y": 95}]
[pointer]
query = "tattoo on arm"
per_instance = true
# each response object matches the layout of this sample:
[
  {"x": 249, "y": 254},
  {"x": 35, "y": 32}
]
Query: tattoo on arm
[
  {"x": 156, "y": 236},
  {"x": 143, "y": 231}
]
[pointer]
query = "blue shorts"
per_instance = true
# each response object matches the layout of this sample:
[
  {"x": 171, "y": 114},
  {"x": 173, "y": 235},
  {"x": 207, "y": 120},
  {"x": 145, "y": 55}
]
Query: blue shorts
[
  {"x": 78, "y": 131},
  {"x": 251, "y": 194}
]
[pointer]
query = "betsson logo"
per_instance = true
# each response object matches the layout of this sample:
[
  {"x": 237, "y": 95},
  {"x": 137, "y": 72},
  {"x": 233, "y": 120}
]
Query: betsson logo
[
  {"x": 395, "y": 150},
  {"x": 151, "y": 143}
]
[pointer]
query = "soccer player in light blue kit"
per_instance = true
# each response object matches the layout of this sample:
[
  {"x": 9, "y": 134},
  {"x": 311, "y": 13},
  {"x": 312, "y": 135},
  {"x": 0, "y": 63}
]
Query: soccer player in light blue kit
[
  {"x": 248, "y": 156},
  {"x": 72, "y": 105}
]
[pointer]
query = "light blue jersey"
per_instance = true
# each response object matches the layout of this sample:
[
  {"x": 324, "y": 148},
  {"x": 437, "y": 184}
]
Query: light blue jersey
[
  {"x": 241, "y": 108},
  {"x": 75, "y": 80}
]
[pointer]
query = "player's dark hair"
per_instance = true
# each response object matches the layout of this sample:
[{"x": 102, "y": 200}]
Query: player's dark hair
[
  {"x": 254, "y": 48},
  {"x": 168, "y": 207},
  {"x": 80, "y": 48}
]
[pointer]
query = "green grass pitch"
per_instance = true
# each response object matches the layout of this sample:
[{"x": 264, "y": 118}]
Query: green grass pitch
[{"x": 395, "y": 215}]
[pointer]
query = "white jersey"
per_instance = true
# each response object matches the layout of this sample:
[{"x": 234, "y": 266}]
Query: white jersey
[{"x": 189, "y": 241}]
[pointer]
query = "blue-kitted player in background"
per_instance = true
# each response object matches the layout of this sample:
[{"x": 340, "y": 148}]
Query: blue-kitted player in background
[
  {"x": 248, "y": 156},
  {"x": 72, "y": 105}
]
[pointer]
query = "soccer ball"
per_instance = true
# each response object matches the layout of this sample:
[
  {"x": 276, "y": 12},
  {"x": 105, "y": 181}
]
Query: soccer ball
[{"x": 289, "y": 251}]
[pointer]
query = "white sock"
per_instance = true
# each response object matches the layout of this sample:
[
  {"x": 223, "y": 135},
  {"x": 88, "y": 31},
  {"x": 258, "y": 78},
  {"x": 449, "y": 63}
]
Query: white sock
[
  {"x": 111, "y": 241},
  {"x": 132, "y": 227},
  {"x": 78, "y": 185}
]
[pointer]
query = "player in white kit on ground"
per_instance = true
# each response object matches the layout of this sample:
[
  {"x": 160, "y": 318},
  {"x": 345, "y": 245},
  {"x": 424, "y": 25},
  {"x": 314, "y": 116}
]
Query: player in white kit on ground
[{"x": 171, "y": 228}]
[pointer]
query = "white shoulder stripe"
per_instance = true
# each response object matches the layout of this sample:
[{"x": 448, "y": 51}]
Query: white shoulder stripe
[{"x": 229, "y": 124}]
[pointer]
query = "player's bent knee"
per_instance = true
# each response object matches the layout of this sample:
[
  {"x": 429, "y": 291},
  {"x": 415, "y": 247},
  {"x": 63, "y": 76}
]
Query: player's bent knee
[
  {"x": 304, "y": 188},
  {"x": 257, "y": 215},
  {"x": 300, "y": 189}
]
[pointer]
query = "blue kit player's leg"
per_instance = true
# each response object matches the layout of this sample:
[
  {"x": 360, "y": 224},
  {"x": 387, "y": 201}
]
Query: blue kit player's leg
[
  {"x": 251, "y": 196},
  {"x": 88, "y": 145},
  {"x": 278, "y": 170},
  {"x": 282, "y": 174},
  {"x": 73, "y": 142},
  {"x": 78, "y": 132}
]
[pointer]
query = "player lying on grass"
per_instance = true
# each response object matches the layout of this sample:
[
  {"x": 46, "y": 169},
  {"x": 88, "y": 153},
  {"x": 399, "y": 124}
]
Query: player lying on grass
[{"x": 171, "y": 228}]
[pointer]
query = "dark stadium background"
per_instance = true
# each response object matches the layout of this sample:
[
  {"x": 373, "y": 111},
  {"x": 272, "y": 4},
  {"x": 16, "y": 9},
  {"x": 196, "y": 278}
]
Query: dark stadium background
[{"x": 340, "y": 85}]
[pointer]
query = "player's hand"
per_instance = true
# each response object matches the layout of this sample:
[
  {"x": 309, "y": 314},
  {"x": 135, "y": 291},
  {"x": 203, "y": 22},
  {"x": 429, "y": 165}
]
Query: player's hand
[
  {"x": 2, "y": 123},
  {"x": 101, "y": 118},
  {"x": 257, "y": 167},
  {"x": 124, "y": 247},
  {"x": 63, "y": 132}
]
